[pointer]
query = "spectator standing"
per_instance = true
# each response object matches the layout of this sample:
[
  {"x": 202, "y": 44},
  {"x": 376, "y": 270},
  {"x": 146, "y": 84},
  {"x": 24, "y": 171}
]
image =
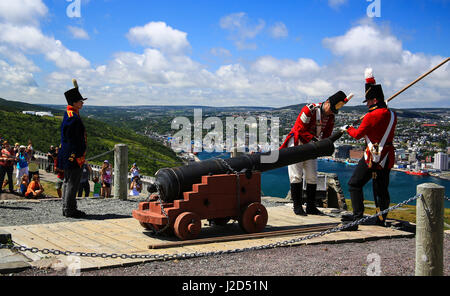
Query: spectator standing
[
  {"x": 7, "y": 165},
  {"x": 134, "y": 171},
  {"x": 33, "y": 167},
  {"x": 136, "y": 186},
  {"x": 59, "y": 174},
  {"x": 22, "y": 164},
  {"x": 16, "y": 148},
  {"x": 50, "y": 158},
  {"x": 35, "y": 188},
  {"x": 84, "y": 180},
  {"x": 97, "y": 187},
  {"x": 105, "y": 177}
]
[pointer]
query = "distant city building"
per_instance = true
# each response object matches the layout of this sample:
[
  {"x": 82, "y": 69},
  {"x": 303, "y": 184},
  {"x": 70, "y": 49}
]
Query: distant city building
[
  {"x": 356, "y": 154},
  {"x": 412, "y": 157},
  {"x": 441, "y": 161},
  {"x": 38, "y": 113},
  {"x": 343, "y": 151}
]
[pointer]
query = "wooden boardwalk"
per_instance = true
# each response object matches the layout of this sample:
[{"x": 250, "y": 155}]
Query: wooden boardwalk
[{"x": 126, "y": 236}]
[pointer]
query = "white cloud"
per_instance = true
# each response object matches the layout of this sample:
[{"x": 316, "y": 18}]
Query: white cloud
[
  {"x": 30, "y": 40},
  {"x": 159, "y": 35},
  {"x": 278, "y": 30},
  {"x": 22, "y": 11},
  {"x": 365, "y": 42},
  {"x": 242, "y": 29},
  {"x": 78, "y": 33}
]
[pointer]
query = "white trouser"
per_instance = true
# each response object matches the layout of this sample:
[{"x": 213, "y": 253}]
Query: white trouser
[
  {"x": 19, "y": 174},
  {"x": 296, "y": 170}
]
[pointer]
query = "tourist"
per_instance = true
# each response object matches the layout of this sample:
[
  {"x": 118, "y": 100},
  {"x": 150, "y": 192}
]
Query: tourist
[
  {"x": 136, "y": 186},
  {"x": 377, "y": 127},
  {"x": 22, "y": 164},
  {"x": 59, "y": 174},
  {"x": 84, "y": 180},
  {"x": 24, "y": 185},
  {"x": 7, "y": 166},
  {"x": 50, "y": 158},
  {"x": 134, "y": 171},
  {"x": 33, "y": 167},
  {"x": 315, "y": 122},
  {"x": 97, "y": 187},
  {"x": 72, "y": 153},
  {"x": 35, "y": 188},
  {"x": 105, "y": 177}
]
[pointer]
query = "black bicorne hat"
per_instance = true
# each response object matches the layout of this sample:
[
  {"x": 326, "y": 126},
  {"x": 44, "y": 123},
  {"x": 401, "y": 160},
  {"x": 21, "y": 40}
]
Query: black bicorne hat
[
  {"x": 335, "y": 99},
  {"x": 73, "y": 95}
]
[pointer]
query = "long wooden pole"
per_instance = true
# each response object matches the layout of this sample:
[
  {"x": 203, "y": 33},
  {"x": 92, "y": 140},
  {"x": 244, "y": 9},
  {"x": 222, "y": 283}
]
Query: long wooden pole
[{"x": 408, "y": 86}]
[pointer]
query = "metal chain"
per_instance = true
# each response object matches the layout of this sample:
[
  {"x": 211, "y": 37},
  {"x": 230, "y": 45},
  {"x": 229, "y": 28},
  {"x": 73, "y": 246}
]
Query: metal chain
[{"x": 203, "y": 254}]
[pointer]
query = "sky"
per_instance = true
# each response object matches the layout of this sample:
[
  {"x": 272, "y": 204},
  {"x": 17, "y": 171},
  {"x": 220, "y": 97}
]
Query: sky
[{"x": 223, "y": 52}]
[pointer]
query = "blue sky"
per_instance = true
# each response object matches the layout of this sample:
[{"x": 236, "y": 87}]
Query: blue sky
[{"x": 222, "y": 53}]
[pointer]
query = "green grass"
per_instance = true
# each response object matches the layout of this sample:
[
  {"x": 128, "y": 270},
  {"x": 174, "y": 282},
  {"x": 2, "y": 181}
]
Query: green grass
[{"x": 405, "y": 213}]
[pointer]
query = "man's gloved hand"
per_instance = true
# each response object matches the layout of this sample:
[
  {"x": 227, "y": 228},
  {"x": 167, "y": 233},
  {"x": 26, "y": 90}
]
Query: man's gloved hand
[{"x": 344, "y": 128}]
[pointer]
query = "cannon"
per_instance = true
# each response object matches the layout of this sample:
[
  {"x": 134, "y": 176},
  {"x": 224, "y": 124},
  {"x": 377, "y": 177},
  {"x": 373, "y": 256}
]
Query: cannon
[{"x": 218, "y": 190}]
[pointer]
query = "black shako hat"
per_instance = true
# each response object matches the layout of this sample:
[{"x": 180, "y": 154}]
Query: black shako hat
[
  {"x": 73, "y": 95},
  {"x": 373, "y": 90},
  {"x": 335, "y": 101}
]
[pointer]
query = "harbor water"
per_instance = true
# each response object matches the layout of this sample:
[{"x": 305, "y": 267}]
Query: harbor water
[{"x": 402, "y": 186}]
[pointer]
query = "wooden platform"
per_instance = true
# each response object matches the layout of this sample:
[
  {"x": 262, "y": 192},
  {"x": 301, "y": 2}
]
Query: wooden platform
[{"x": 126, "y": 236}]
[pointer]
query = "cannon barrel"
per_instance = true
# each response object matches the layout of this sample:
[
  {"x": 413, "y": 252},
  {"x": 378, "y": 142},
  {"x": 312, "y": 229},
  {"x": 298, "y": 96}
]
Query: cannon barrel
[{"x": 172, "y": 182}]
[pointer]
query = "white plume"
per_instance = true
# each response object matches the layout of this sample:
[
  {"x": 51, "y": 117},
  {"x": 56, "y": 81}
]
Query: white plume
[{"x": 368, "y": 73}]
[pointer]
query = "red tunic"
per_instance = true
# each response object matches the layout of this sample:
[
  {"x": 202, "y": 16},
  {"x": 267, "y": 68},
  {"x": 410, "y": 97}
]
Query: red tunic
[
  {"x": 307, "y": 125},
  {"x": 374, "y": 126}
]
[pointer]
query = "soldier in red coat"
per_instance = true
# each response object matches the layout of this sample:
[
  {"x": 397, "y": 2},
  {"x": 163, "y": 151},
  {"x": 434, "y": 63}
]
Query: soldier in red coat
[
  {"x": 315, "y": 122},
  {"x": 377, "y": 127}
]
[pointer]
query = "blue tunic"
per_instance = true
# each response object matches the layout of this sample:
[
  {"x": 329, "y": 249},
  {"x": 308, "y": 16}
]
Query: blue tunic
[{"x": 73, "y": 140}]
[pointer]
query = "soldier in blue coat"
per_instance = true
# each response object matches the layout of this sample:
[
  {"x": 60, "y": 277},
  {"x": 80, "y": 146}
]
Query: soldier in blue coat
[{"x": 71, "y": 156}]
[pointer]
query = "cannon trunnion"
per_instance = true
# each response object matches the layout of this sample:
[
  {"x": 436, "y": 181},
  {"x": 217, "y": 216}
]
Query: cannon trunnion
[{"x": 218, "y": 190}]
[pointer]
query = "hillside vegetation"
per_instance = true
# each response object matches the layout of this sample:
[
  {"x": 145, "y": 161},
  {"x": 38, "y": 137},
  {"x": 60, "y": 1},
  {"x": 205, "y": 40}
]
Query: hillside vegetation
[{"x": 45, "y": 131}]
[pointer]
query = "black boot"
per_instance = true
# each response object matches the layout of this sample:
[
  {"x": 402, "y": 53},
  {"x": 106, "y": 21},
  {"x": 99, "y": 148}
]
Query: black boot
[
  {"x": 297, "y": 198},
  {"x": 311, "y": 200}
]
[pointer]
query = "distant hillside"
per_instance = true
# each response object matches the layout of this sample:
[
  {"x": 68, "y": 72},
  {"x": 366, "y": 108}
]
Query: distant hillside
[
  {"x": 14, "y": 106},
  {"x": 45, "y": 131}
]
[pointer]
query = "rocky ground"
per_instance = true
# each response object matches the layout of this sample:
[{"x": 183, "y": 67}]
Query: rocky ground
[{"x": 389, "y": 257}]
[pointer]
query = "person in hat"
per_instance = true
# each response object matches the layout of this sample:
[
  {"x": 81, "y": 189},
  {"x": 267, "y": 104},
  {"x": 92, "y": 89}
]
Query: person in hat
[
  {"x": 72, "y": 153},
  {"x": 7, "y": 159},
  {"x": 315, "y": 122},
  {"x": 377, "y": 127},
  {"x": 106, "y": 178}
]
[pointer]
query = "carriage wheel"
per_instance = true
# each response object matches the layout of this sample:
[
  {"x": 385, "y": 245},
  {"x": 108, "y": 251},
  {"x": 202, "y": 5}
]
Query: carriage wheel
[
  {"x": 187, "y": 226},
  {"x": 254, "y": 218}
]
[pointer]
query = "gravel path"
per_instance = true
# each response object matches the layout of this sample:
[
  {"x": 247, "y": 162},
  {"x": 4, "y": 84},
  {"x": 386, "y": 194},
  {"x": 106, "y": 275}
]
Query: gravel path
[{"x": 396, "y": 256}]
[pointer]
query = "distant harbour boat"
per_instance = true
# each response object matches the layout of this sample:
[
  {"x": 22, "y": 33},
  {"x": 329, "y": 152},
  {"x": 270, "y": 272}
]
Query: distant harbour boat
[{"x": 418, "y": 173}]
